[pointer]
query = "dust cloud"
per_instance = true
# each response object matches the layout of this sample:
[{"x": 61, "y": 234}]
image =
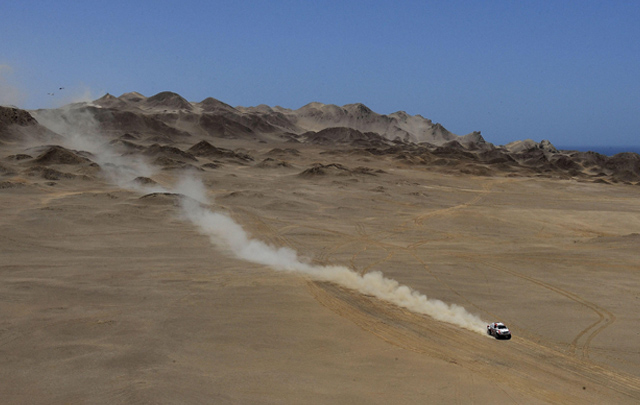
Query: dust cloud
[
  {"x": 80, "y": 131},
  {"x": 225, "y": 233}
]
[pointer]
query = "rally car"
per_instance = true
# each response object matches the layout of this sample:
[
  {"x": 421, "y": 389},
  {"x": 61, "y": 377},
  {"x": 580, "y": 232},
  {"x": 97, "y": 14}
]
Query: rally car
[{"x": 499, "y": 330}]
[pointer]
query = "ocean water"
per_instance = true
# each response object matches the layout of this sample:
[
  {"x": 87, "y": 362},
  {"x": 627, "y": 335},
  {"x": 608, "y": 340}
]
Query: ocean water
[{"x": 603, "y": 150}]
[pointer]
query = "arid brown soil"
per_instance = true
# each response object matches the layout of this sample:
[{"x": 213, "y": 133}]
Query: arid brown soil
[{"x": 109, "y": 295}]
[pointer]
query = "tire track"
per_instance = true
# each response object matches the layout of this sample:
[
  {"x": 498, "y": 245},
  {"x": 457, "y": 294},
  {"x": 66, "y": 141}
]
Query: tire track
[
  {"x": 586, "y": 336},
  {"x": 580, "y": 343},
  {"x": 367, "y": 241},
  {"x": 534, "y": 370},
  {"x": 605, "y": 317},
  {"x": 486, "y": 189},
  {"x": 265, "y": 230}
]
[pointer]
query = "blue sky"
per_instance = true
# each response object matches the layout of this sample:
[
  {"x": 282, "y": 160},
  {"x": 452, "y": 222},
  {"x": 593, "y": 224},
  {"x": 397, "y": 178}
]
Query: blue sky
[{"x": 567, "y": 71}]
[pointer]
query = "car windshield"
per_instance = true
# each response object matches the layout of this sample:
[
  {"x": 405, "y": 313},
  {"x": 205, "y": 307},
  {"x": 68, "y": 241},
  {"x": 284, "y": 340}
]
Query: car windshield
[{"x": 502, "y": 327}]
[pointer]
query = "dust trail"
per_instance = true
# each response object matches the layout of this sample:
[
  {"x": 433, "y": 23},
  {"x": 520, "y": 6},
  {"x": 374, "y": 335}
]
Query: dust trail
[
  {"x": 81, "y": 131},
  {"x": 224, "y": 232}
]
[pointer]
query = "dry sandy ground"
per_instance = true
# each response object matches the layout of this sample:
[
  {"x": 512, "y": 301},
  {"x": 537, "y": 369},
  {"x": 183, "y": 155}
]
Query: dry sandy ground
[{"x": 107, "y": 297}]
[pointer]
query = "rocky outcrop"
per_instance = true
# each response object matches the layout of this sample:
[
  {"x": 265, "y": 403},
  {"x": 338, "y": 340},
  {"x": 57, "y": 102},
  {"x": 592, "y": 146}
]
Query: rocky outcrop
[{"x": 17, "y": 124}]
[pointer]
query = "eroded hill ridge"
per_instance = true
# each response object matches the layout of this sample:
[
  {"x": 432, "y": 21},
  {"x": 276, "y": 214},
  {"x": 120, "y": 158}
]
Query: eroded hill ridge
[{"x": 171, "y": 129}]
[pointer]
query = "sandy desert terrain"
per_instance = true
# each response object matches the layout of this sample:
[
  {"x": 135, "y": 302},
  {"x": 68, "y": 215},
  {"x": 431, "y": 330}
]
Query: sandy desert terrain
[{"x": 110, "y": 294}]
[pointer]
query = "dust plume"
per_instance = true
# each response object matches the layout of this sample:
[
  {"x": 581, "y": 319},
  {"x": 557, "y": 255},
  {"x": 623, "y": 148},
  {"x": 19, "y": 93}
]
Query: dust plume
[
  {"x": 225, "y": 233},
  {"x": 80, "y": 131}
]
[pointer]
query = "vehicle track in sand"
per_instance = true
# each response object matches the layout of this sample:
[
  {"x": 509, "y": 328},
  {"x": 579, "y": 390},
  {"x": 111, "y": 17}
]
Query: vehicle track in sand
[
  {"x": 578, "y": 346},
  {"x": 418, "y": 221},
  {"x": 367, "y": 240},
  {"x": 267, "y": 233},
  {"x": 532, "y": 369},
  {"x": 605, "y": 318},
  {"x": 535, "y": 370},
  {"x": 486, "y": 189},
  {"x": 377, "y": 241}
]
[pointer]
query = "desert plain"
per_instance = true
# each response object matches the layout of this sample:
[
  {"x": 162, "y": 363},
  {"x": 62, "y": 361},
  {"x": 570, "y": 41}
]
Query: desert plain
[{"x": 109, "y": 294}]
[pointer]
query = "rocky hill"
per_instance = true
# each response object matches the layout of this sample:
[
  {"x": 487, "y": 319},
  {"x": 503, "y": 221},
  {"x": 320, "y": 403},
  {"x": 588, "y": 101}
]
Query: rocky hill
[
  {"x": 216, "y": 118},
  {"x": 139, "y": 125}
]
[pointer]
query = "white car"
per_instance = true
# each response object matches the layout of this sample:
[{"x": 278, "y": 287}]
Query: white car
[{"x": 499, "y": 330}]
